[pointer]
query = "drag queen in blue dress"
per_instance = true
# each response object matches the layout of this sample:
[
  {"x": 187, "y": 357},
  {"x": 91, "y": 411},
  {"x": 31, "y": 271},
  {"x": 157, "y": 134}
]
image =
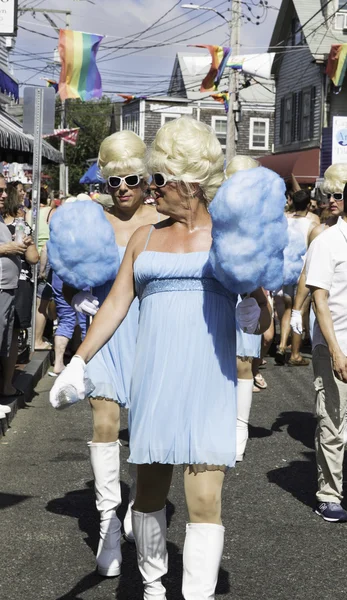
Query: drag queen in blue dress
[
  {"x": 122, "y": 163},
  {"x": 183, "y": 387}
]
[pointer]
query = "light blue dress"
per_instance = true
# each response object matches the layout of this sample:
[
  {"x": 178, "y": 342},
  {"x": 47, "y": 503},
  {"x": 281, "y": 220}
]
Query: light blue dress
[
  {"x": 183, "y": 396},
  {"x": 111, "y": 368},
  {"x": 247, "y": 345}
]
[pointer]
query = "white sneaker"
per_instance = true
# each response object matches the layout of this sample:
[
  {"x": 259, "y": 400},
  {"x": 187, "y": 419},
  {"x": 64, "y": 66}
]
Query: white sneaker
[{"x": 5, "y": 409}]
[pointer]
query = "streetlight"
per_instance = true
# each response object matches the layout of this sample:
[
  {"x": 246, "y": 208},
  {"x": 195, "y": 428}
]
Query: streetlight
[
  {"x": 198, "y": 7},
  {"x": 234, "y": 25}
]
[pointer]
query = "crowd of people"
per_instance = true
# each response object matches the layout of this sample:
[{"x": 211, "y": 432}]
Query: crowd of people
[{"x": 166, "y": 337}]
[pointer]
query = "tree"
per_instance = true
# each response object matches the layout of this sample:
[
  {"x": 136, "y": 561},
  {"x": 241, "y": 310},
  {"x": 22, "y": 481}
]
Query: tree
[{"x": 93, "y": 118}]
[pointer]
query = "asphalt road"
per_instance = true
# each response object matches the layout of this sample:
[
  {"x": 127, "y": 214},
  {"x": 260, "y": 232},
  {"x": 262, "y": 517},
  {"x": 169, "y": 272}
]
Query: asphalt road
[{"x": 276, "y": 547}]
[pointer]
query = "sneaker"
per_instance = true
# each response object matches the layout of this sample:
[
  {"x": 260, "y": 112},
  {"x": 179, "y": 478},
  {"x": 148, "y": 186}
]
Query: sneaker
[{"x": 331, "y": 511}]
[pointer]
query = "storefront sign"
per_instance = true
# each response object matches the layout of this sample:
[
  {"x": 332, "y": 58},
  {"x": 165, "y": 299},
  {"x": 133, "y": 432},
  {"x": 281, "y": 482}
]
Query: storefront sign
[
  {"x": 339, "y": 141},
  {"x": 8, "y": 17}
]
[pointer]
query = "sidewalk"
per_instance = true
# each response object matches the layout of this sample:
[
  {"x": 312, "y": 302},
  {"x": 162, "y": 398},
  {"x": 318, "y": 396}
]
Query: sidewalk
[{"x": 26, "y": 378}]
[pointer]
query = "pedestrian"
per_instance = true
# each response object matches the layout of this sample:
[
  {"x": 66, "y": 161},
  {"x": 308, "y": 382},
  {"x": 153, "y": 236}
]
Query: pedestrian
[
  {"x": 304, "y": 226},
  {"x": 326, "y": 276},
  {"x": 13, "y": 209},
  {"x": 183, "y": 401},
  {"x": 10, "y": 267},
  {"x": 122, "y": 163},
  {"x": 248, "y": 347}
]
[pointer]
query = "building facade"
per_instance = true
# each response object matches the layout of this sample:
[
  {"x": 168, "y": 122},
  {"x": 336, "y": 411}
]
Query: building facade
[
  {"x": 306, "y": 100},
  {"x": 255, "y": 126}
]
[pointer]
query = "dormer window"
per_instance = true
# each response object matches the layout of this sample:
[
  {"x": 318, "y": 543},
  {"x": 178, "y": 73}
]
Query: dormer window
[{"x": 297, "y": 32}]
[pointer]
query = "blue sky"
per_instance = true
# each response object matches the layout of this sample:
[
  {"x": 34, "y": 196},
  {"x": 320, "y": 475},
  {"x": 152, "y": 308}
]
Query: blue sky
[{"x": 126, "y": 61}]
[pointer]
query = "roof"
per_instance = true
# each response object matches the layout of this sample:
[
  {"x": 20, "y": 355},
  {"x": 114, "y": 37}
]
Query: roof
[
  {"x": 190, "y": 69},
  {"x": 317, "y": 24},
  {"x": 13, "y": 140}
]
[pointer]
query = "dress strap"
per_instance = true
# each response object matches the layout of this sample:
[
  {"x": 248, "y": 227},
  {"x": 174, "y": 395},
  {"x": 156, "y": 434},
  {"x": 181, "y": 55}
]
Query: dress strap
[{"x": 149, "y": 235}]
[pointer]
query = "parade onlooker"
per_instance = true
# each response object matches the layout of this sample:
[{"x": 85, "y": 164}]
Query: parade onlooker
[
  {"x": 326, "y": 276},
  {"x": 10, "y": 265},
  {"x": 13, "y": 208},
  {"x": 304, "y": 225},
  {"x": 44, "y": 287}
]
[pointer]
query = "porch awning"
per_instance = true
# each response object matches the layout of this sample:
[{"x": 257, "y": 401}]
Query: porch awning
[
  {"x": 16, "y": 146},
  {"x": 304, "y": 165}
]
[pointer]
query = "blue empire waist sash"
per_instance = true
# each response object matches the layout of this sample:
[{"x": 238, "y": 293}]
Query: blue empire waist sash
[{"x": 182, "y": 284}]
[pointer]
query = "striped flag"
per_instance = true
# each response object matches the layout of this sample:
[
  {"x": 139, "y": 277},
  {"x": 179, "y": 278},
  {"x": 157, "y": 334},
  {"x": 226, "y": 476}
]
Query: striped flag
[
  {"x": 220, "y": 55},
  {"x": 79, "y": 76}
]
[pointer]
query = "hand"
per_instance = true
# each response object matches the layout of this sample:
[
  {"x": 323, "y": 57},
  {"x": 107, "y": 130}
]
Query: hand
[
  {"x": 247, "y": 315},
  {"x": 296, "y": 321},
  {"x": 73, "y": 375},
  {"x": 12, "y": 248},
  {"x": 85, "y": 303},
  {"x": 28, "y": 241},
  {"x": 339, "y": 361}
]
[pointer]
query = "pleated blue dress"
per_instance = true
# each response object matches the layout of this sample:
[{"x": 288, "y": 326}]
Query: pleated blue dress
[
  {"x": 111, "y": 368},
  {"x": 183, "y": 396},
  {"x": 247, "y": 345}
]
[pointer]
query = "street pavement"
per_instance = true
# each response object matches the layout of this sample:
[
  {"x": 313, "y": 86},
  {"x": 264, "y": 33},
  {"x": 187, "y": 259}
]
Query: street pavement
[{"x": 276, "y": 547}]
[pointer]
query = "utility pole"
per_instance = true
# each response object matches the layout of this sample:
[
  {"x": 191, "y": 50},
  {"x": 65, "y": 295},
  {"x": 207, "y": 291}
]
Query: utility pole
[
  {"x": 63, "y": 172},
  {"x": 235, "y": 30}
]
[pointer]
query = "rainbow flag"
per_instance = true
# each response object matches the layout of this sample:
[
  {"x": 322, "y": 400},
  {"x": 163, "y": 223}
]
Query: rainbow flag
[
  {"x": 79, "y": 76},
  {"x": 52, "y": 83},
  {"x": 337, "y": 64},
  {"x": 220, "y": 57},
  {"x": 128, "y": 98},
  {"x": 223, "y": 98}
]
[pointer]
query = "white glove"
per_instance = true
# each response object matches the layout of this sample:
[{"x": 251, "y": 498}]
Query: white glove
[
  {"x": 247, "y": 315},
  {"x": 73, "y": 374},
  {"x": 296, "y": 321},
  {"x": 85, "y": 303}
]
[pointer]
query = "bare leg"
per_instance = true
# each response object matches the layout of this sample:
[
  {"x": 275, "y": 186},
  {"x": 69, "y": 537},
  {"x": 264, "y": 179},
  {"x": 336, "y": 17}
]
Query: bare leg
[
  {"x": 60, "y": 344},
  {"x": 106, "y": 420},
  {"x": 8, "y": 364},
  {"x": 41, "y": 319},
  {"x": 204, "y": 496},
  {"x": 285, "y": 322}
]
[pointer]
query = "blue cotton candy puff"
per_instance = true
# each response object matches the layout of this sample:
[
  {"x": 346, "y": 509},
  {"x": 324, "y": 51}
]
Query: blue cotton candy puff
[
  {"x": 293, "y": 253},
  {"x": 82, "y": 249},
  {"x": 249, "y": 231}
]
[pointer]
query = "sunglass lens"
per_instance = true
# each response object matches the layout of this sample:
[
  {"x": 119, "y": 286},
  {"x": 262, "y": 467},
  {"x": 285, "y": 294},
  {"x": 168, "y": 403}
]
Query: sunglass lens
[
  {"x": 338, "y": 196},
  {"x": 114, "y": 181},
  {"x": 132, "y": 180},
  {"x": 159, "y": 179}
]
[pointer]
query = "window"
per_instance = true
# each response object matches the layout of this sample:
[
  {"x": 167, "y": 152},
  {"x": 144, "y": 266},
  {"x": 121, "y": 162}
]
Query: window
[
  {"x": 306, "y": 114},
  {"x": 131, "y": 122},
  {"x": 341, "y": 5},
  {"x": 259, "y": 134},
  {"x": 165, "y": 117},
  {"x": 297, "y": 34},
  {"x": 219, "y": 124},
  {"x": 287, "y": 121}
]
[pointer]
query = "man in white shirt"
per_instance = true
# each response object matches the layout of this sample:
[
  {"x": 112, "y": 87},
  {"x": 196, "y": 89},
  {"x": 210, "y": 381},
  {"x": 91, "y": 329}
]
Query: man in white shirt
[{"x": 326, "y": 276}]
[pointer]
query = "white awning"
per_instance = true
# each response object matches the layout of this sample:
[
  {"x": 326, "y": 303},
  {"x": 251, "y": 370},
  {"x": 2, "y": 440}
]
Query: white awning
[{"x": 14, "y": 142}]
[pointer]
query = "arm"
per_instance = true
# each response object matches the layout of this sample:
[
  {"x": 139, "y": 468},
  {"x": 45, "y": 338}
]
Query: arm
[
  {"x": 31, "y": 254},
  {"x": 325, "y": 322},
  {"x": 265, "y": 310},
  {"x": 302, "y": 292},
  {"x": 43, "y": 262}
]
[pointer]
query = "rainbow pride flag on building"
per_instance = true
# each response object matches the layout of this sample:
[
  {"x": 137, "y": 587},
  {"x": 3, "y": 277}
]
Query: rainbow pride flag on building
[
  {"x": 223, "y": 98},
  {"x": 220, "y": 57},
  {"x": 337, "y": 64},
  {"x": 79, "y": 76}
]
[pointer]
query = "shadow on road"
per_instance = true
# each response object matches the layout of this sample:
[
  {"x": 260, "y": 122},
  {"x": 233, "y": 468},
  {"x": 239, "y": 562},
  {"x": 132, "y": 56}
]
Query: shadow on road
[
  {"x": 300, "y": 426},
  {"x": 7, "y": 500},
  {"x": 298, "y": 478}
]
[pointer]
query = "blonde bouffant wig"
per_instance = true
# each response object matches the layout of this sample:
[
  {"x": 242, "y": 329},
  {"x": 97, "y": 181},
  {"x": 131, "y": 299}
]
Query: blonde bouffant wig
[
  {"x": 335, "y": 178},
  {"x": 123, "y": 153},
  {"x": 189, "y": 151},
  {"x": 240, "y": 163}
]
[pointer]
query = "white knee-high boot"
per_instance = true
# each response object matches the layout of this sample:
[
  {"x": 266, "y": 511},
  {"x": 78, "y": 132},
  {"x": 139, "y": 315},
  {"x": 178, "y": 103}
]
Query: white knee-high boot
[
  {"x": 150, "y": 537},
  {"x": 244, "y": 403},
  {"x": 104, "y": 458},
  {"x": 202, "y": 554},
  {"x": 127, "y": 523}
]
